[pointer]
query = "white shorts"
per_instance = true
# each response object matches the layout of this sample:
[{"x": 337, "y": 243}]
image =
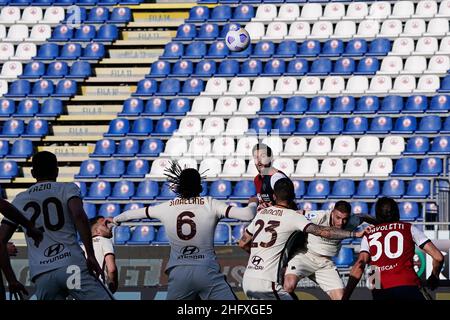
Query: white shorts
[
  {"x": 320, "y": 269},
  {"x": 58, "y": 284},
  {"x": 260, "y": 289}
]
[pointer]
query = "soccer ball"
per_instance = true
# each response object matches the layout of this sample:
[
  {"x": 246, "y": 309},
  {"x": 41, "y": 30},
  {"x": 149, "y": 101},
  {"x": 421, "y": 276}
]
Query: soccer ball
[{"x": 237, "y": 40}]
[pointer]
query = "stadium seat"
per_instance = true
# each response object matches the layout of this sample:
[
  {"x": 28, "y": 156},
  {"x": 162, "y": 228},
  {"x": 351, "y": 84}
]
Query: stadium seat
[
  {"x": 331, "y": 126},
  {"x": 359, "y": 208},
  {"x": 99, "y": 190},
  {"x": 141, "y": 127},
  {"x": 109, "y": 210},
  {"x": 308, "y": 126},
  {"x": 127, "y": 148},
  {"x": 393, "y": 188},
  {"x": 368, "y": 189},
  {"x": 417, "y": 145},
  {"x": 237, "y": 232},
  {"x": 418, "y": 188},
  {"x": 243, "y": 190},
  {"x": 356, "y": 125},
  {"x": 90, "y": 210},
  {"x": 409, "y": 211},
  {"x": 161, "y": 236},
  {"x": 205, "y": 68},
  {"x": 151, "y": 148},
  {"x": 430, "y": 167},
  {"x": 142, "y": 235},
  {"x": 331, "y": 167},
  {"x": 36, "y": 128},
  {"x": 104, "y": 148},
  {"x": 344, "y": 259},
  {"x": 7, "y": 107},
  {"x": 439, "y": 103},
  {"x": 107, "y": 33},
  {"x": 120, "y": 15},
  {"x": 89, "y": 169},
  {"x": 406, "y": 124},
  {"x": 222, "y": 234},
  {"x": 21, "y": 149},
  {"x": 27, "y": 108},
  {"x": 146, "y": 190},
  {"x": 33, "y": 70},
  {"x": 318, "y": 189},
  {"x": 112, "y": 169},
  {"x": 118, "y": 128},
  {"x": 93, "y": 51},
  {"x": 97, "y": 15},
  {"x": 123, "y": 190},
  {"x": 342, "y": 189},
  {"x": 121, "y": 234}
]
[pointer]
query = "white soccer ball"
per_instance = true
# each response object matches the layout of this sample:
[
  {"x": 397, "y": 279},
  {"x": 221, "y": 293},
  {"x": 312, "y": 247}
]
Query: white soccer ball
[{"x": 237, "y": 40}]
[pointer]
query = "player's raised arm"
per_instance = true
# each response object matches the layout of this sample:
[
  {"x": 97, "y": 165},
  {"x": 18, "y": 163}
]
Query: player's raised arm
[
  {"x": 135, "y": 214},
  {"x": 332, "y": 232}
]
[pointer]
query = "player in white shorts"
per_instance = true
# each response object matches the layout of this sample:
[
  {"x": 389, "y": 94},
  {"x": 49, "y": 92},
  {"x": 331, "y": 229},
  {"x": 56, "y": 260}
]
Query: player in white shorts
[
  {"x": 266, "y": 237},
  {"x": 58, "y": 266},
  {"x": 315, "y": 260},
  {"x": 101, "y": 229},
  {"x": 190, "y": 221}
]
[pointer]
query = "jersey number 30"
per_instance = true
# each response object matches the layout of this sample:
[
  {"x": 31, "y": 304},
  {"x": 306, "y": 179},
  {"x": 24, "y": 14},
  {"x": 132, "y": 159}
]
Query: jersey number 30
[
  {"x": 57, "y": 221},
  {"x": 393, "y": 235}
]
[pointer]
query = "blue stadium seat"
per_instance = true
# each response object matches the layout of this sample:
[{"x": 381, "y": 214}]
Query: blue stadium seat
[
  {"x": 220, "y": 189},
  {"x": 33, "y": 70},
  {"x": 93, "y": 51},
  {"x": 62, "y": 33},
  {"x": 182, "y": 68},
  {"x": 120, "y": 15},
  {"x": 228, "y": 68},
  {"x": 405, "y": 167},
  {"x": 65, "y": 88},
  {"x": 307, "y": 205},
  {"x": 98, "y": 15},
  {"x": 297, "y": 67},
  {"x": 446, "y": 126},
  {"x": 332, "y": 48},
  {"x": 27, "y": 108},
  {"x": 198, "y": 14},
  {"x": 121, "y": 234},
  {"x": 368, "y": 65},
  {"x": 173, "y": 50},
  {"x": 70, "y": 51},
  {"x": 142, "y": 235},
  {"x": 429, "y": 124},
  {"x": 296, "y": 105},
  {"x": 319, "y": 105},
  {"x": 356, "y": 125},
  {"x": 310, "y": 48},
  {"x": 321, "y": 67},
  {"x": 356, "y": 47},
  {"x": 344, "y": 259},
  {"x": 13, "y": 128},
  {"x": 237, "y": 232},
  {"x": 318, "y": 189},
  {"x": 169, "y": 87},
  {"x": 83, "y": 188},
  {"x": 195, "y": 50},
  {"x": 344, "y": 66},
  {"x": 127, "y": 148},
  {"x": 275, "y": 67},
  {"x": 141, "y": 127},
  {"x": 21, "y": 149},
  {"x": 123, "y": 190},
  {"x": 137, "y": 168},
  {"x": 42, "y": 88},
  {"x": 107, "y": 33},
  {"x": 18, "y": 88},
  {"x": 36, "y": 128},
  {"x": 308, "y": 126},
  {"x": 99, "y": 190},
  {"x": 430, "y": 167},
  {"x": 285, "y": 125},
  {"x": 329, "y": 205},
  {"x": 221, "y": 14},
  {"x": 8, "y": 107},
  {"x": 367, "y": 104},
  {"x": 109, "y": 210},
  {"x": 243, "y": 12},
  {"x": 440, "y": 145},
  {"x": 343, "y": 189},
  {"x": 406, "y": 124},
  {"x": 56, "y": 69},
  {"x": 343, "y": 105},
  {"x": 417, "y": 145},
  {"x": 227, "y": 27},
  {"x": 418, "y": 188},
  {"x": 155, "y": 107},
  {"x": 8, "y": 169},
  {"x": 243, "y": 189},
  {"x": 368, "y": 189},
  {"x": 261, "y": 125},
  {"x": 381, "y": 124},
  {"x": 409, "y": 211},
  {"x": 251, "y": 67},
  {"x": 286, "y": 49},
  {"x": 47, "y": 51},
  {"x": 118, "y": 127},
  {"x": 132, "y": 107},
  {"x": 242, "y": 54},
  {"x": 416, "y": 104},
  {"x": 208, "y": 31},
  {"x": 80, "y": 70},
  {"x": 133, "y": 206},
  {"x": 439, "y": 103},
  {"x": 359, "y": 208},
  {"x": 147, "y": 87},
  {"x": 146, "y": 190},
  {"x": 299, "y": 188},
  {"x": 394, "y": 188},
  {"x": 85, "y": 33},
  {"x": 193, "y": 87},
  {"x": 333, "y": 125},
  {"x": 104, "y": 148},
  {"x": 89, "y": 169},
  {"x": 161, "y": 236},
  {"x": 222, "y": 234},
  {"x": 107, "y": 2},
  {"x": 217, "y": 50},
  {"x": 391, "y": 104},
  {"x": 90, "y": 210},
  {"x": 179, "y": 107},
  {"x": 445, "y": 84},
  {"x": 151, "y": 148},
  {"x": 113, "y": 168},
  {"x": 272, "y": 106},
  {"x": 51, "y": 107},
  {"x": 379, "y": 47},
  {"x": 166, "y": 192},
  {"x": 4, "y": 148},
  {"x": 205, "y": 68},
  {"x": 265, "y": 49}
]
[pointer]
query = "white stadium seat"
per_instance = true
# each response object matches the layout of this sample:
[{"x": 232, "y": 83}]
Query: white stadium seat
[
  {"x": 357, "y": 85},
  {"x": 266, "y": 12},
  {"x": 414, "y": 27},
  {"x": 415, "y": 65},
  {"x": 331, "y": 167},
  {"x": 344, "y": 30},
  {"x": 311, "y": 11},
  {"x": 444, "y": 8},
  {"x": 223, "y": 146},
  {"x": 438, "y": 64},
  {"x": 299, "y": 30},
  {"x": 189, "y": 126},
  {"x": 379, "y": 10},
  {"x": 54, "y": 15},
  {"x": 25, "y": 51},
  {"x": 294, "y": 146},
  {"x": 275, "y": 143},
  {"x": 403, "y": 9},
  {"x": 245, "y": 145},
  {"x": 284, "y": 164},
  {"x": 428, "y": 84},
  {"x": 289, "y": 11},
  {"x": 368, "y": 146},
  {"x": 234, "y": 167},
  {"x": 40, "y": 32},
  {"x": 225, "y": 106},
  {"x": 368, "y": 28},
  {"x": 239, "y": 86},
  {"x": 11, "y": 70},
  {"x": 402, "y": 46},
  {"x": 175, "y": 146},
  {"x": 202, "y": 106},
  {"x": 31, "y": 15},
  {"x": 357, "y": 10},
  {"x": 426, "y": 9},
  {"x": 380, "y": 84},
  {"x": 391, "y": 65},
  {"x": 6, "y": 51},
  {"x": 262, "y": 85},
  {"x": 380, "y": 167},
  {"x": 319, "y": 146},
  {"x": 188, "y": 163},
  {"x": 392, "y": 145},
  {"x": 322, "y": 29},
  {"x": 237, "y": 126},
  {"x": 438, "y": 27},
  {"x": 426, "y": 45},
  {"x": 199, "y": 146},
  {"x": 276, "y": 30},
  {"x": 210, "y": 167},
  {"x": 404, "y": 84},
  {"x": 10, "y": 14},
  {"x": 344, "y": 145},
  {"x": 355, "y": 167},
  {"x": 255, "y": 30},
  {"x": 3, "y": 87},
  {"x": 444, "y": 47},
  {"x": 213, "y": 126},
  {"x": 334, "y": 11},
  {"x": 158, "y": 168},
  {"x": 306, "y": 167},
  {"x": 216, "y": 86},
  {"x": 249, "y": 105},
  {"x": 309, "y": 85},
  {"x": 333, "y": 85},
  {"x": 17, "y": 33},
  {"x": 285, "y": 85},
  {"x": 391, "y": 28}
]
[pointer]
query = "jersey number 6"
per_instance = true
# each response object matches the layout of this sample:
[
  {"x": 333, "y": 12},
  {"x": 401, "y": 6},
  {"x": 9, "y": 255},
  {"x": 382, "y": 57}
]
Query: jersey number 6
[{"x": 186, "y": 218}]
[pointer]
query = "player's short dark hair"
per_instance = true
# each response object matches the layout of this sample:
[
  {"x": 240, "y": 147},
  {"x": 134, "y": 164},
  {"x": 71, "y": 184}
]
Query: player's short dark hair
[
  {"x": 94, "y": 221},
  {"x": 343, "y": 206},
  {"x": 284, "y": 190},
  {"x": 262, "y": 146},
  {"x": 186, "y": 183},
  {"x": 45, "y": 165},
  {"x": 386, "y": 210}
]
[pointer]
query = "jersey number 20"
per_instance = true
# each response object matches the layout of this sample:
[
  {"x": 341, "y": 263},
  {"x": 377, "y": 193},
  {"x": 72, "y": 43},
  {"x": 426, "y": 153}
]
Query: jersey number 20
[{"x": 58, "y": 221}]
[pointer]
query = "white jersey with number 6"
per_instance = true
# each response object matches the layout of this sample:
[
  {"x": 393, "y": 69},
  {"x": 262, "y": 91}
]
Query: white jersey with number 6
[{"x": 46, "y": 204}]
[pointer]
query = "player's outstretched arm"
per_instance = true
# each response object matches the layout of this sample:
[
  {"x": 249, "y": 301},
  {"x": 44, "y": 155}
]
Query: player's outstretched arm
[
  {"x": 136, "y": 214},
  {"x": 331, "y": 232},
  {"x": 244, "y": 214},
  {"x": 438, "y": 261},
  {"x": 356, "y": 274}
]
